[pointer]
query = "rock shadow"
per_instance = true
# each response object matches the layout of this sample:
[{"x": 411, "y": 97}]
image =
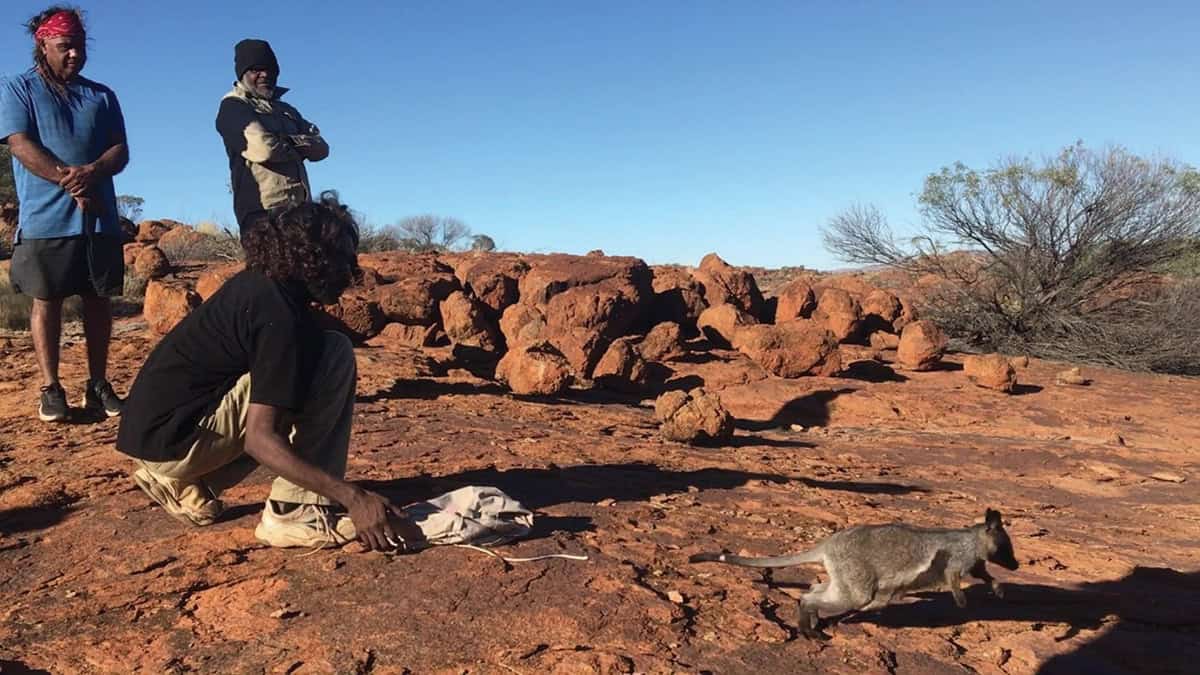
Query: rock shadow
[
  {"x": 429, "y": 389},
  {"x": 589, "y": 483},
  {"x": 872, "y": 371},
  {"x": 810, "y": 410},
  {"x": 30, "y": 518},
  {"x": 1149, "y": 618},
  {"x": 1023, "y": 389},
  {"x": 18, "y": 668}
]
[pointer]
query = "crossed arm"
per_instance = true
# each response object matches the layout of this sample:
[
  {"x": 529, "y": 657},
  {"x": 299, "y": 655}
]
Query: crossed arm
[{"x": 375, "y": 518}]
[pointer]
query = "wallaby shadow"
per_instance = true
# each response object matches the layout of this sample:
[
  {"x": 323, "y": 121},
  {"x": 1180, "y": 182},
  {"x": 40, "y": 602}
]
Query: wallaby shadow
[
  {"x": 589, "y": 483},
  {"x": 753, "y": 441},
  {"x": 810, "y": 410},
  {"x": 1151, "y": 617},
  {"x": 1023, "y": 389},
  {"x": 30, "y": 518}
]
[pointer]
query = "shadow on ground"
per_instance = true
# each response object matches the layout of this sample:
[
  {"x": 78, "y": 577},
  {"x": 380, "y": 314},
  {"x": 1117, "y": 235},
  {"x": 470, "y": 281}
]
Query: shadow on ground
[
  {"x": 630, "y": 482},
  {"x": 1150, "y": 619}
]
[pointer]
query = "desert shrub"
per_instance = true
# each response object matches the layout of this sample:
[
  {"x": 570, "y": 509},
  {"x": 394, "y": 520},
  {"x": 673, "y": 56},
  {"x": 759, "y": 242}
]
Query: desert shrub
[
  {"x": 15, "y": 307},
  {"x": 420, "y": 234},
  {"x": 135, "y": 287},
  {"x": 1058, "y": 258},
  {"x": 8, "y": 189},
  {"x": 224, "y": 246}
]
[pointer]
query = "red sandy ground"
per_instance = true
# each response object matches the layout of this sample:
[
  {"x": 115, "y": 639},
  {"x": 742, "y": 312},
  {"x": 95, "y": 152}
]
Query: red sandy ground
[{"x": 94, "y": 578}]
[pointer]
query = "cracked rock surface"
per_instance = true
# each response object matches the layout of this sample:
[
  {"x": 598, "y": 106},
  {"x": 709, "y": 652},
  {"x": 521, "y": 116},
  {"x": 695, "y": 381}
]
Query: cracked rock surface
[{"x": 94, "y": 578}]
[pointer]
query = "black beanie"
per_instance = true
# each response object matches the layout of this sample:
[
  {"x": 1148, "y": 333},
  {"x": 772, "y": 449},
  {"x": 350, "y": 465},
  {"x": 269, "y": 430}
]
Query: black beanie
[{"x": 250, "y": 53}]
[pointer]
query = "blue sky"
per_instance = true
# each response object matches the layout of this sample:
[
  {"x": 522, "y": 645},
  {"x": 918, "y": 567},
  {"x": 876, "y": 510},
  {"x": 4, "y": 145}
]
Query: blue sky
[{"x": 663, "y": 130}]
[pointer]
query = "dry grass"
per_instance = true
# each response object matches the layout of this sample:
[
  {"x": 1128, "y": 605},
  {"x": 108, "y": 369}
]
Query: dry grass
[{"x": 206, "y": 247}]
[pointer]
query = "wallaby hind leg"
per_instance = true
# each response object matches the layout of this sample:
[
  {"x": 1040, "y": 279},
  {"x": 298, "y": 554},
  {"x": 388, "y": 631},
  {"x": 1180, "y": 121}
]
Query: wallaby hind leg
[
  {"x": 954, "y": 583},
  {"x": 979, "y": 571},
  {"x": 827, "y": 601}
]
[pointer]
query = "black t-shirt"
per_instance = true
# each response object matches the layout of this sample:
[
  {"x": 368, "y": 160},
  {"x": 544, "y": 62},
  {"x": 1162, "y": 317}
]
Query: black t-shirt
[{"x": 251, "y": 325}]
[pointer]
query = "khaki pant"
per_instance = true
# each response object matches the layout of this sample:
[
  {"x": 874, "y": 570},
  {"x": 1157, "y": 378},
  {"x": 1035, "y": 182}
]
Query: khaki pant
[{"x": 320, "y": 431}]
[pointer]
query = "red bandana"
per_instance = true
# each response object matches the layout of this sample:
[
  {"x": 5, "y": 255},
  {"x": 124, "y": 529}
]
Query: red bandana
[{"x": 62, "y": 24}]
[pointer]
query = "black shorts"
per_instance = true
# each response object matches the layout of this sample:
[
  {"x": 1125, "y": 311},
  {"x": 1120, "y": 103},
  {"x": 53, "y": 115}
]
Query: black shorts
[{"x": 52, "y": 269}]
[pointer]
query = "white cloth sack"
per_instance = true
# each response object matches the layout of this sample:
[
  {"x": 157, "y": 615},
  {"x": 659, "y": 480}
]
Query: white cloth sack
[{"x": 478, "y": 515}]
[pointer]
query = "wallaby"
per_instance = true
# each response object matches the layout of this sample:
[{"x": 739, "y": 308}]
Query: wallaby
[{"x": 869, "y": 566}]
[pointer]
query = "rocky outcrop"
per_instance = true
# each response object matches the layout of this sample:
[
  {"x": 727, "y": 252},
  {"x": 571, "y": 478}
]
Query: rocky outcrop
[
  {"x": 695, "y": 417},
  {"x": 724, "y": 283},
  {"x": 790, "y": 349}
]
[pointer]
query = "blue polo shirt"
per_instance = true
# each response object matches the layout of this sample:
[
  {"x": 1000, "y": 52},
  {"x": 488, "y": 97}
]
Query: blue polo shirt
[{"x": 76, "y": 130}]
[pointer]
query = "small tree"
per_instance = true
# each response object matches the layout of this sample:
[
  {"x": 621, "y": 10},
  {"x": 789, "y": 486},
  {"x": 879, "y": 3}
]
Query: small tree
[
  {"x": 431, "y": 233},
  {"x": 483, "y": 243},
  {"x": 1047, "y": 258},
  {"x": 8, "y": 188},
  {"x": 130, "y": 207}
]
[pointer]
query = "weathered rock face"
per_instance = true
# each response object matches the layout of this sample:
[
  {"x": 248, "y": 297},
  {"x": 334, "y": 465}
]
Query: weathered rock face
[
  {"x": 181, "y": 241},
  {"x": 151, "y": 263},
  {"x": 522, "y": 324},
  {"x": 796, "y": 300},
  {"x": 663, "y": 343},
  {"x": 791, "y": 349},
  {"x": 149, "y": 231},
  {"x": 586, "y": 303},
  {"x": 720, "y": 323},
  {"x": 884, "y": 340},
  {"x": 622, "y": 367},
  {"x": 130, "y": 252},
  {"x": 413, "y": 285},
  {"x": 839, "y": 312},
  {"x": 534, "y": 370},
  {"x": 678, "y": 298},
  {"x": 922, "y": 345},
  {"x": 695, "y": 417},
  {"x": 882, "y": 304},
  {"x": 991, "y": 371},
  {"x": 403, "y": 336},
  {"x": 724, "y": 283},
  {"x": 213, "y": 278},
  {"x": 465, "y": 324},
  {"x": 492, "y": 278},
  {"x": 908, "y": 314},
  {"x": 357, "y": 315},
  {"x": 167, "y": 302}
]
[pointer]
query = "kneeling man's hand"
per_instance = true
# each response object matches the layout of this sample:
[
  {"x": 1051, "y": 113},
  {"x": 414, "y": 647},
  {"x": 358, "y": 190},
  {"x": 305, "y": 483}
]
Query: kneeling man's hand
[{"x": 380, "y": 524}]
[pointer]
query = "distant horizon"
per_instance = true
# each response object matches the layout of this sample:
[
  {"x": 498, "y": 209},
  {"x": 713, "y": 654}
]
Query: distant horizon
[{"x": 663, "y": 132}]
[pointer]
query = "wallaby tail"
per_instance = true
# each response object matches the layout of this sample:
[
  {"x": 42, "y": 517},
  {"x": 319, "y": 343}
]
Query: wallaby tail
[{"x": 810, "y": 556}]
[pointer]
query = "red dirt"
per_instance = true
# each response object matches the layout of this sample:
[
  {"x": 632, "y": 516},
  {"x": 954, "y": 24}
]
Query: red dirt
[{"x": 93, "y": 578}]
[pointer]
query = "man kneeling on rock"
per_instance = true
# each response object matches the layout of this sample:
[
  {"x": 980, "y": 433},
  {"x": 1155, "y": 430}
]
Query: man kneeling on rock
[{"x": 249, "y": 377}]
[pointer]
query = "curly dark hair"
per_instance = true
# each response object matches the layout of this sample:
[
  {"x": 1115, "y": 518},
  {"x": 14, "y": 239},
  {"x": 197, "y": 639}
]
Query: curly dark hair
[
  {"x": 39, "y": 59},
  {"x": 312, "y": 244}
]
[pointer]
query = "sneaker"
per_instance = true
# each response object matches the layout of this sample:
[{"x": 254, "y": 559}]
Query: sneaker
[
  {"x": 53, "y": 406},
  {"x": 309, "y": 525},
  {"x": 192, "y": 503},
  {"x": 98, "y": 395}
]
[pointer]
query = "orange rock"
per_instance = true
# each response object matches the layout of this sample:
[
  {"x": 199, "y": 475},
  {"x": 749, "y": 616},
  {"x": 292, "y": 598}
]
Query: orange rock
[
  {"x": 622, "y": 367},
  {"x": 403, "y": 335},
  {"x": 796, "y": 301},
  {"x": 465, "y": 324},
  {"x": 678, "y": 298},
  {"x": 695, "y": 416},
  {"x": 151, "y": 263},
  {"x": 150, "y": 230},
  {"x": 724, "y": 283},
  {"x": 131, "y": 251},
  {"x": 167, "y": 303},
  {"x": 212, "y": 279},
  {"x": 922, "y": 345},
  {"x": 720, "y": 323},
  {"x": 839, "y": 312},
  {"x": 990, "y": 371},
  {"x": 522, "y": 324},
  {"x": 663, "y": 343},
  {"x": 791, "y": 349},
  {"x": 534, "y": 370}
]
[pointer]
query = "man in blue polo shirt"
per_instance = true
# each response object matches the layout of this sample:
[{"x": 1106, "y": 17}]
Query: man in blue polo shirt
[{"x": 67, "y": 138}]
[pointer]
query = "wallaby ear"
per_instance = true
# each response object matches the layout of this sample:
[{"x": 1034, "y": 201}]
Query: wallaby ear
[{"x": 992, "y": 519}]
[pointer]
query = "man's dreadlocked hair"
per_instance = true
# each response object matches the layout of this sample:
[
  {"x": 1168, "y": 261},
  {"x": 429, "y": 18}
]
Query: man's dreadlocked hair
[
  {"x": 39, "y": 59},
  {"x": 298, "y": 243}
]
